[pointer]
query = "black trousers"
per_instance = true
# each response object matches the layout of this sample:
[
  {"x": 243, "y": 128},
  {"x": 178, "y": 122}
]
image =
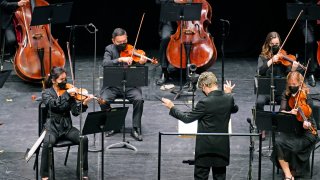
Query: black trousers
[
  {"x": 8, "y": 40},
  {"x": 133, "y": 94},
  {"x": 202, "y": 173},
  {"x": 51, "y": 138}
]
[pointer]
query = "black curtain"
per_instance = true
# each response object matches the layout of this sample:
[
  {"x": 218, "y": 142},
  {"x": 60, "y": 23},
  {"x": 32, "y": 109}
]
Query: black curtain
[{"x": 250, "y": 22}]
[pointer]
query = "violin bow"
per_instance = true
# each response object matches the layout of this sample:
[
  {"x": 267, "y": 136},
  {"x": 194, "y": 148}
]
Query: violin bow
[
  {"x": 295, "y": 22},
  {"x": 300, "y": 88},
  {"x": 69, "y": 57},
  {"x": 135, "y": 42}
]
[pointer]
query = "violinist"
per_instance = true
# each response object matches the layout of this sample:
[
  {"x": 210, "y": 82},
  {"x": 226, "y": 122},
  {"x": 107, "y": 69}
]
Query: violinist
[
  {"x": 269, "y": 55},
  {"x": 133, "y": 94},
  {"x": 166, "y": 29},
  {"x": 7, "y": 33},
  {"x": 60, "y": 103},
  {"x": 292, "y": 151}
]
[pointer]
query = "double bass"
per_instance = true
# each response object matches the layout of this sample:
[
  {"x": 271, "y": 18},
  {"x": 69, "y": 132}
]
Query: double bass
[
  {"x": 35, "y": 54},
  {"x": 198, "y": 43}
]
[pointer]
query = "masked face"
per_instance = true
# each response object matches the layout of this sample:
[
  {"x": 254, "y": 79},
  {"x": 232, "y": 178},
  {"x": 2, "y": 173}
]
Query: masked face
[
  {"x": 275, "y": 49},
  {"x": 293, "y": 89},
  {"x": 121, "y": 47},
  {"x": 62, "y": 85}
]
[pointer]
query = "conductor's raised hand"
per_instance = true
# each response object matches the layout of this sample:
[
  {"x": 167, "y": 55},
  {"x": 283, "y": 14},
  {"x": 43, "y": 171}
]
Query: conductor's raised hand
[
  {"x": 228, "y": 87},
  {"x": 167, "y": 102}
]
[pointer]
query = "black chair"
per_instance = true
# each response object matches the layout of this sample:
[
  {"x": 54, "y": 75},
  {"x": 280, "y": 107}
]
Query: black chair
[{"x": 42, "y": 117}]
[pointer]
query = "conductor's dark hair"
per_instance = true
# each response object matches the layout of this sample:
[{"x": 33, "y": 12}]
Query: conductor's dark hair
[
  {"x": 54, "y": 74},
  {"x": 118, "y": 32}
]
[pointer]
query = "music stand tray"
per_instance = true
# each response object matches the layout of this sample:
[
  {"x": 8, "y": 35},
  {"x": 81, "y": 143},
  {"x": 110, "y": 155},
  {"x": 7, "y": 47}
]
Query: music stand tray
[
  {"x": 110, "y": 120},
  {"x": 51, "y": 14},
  {"x": 176, "y": 12},
  {"x": 262, "y": 85},
  {"x": 310, "y": 11},
  {"x": 4, "y": 76},
  {"x": 135, "y": 76},
  {"x": 278, "y": 122},
  {"x": 101, "y": 121}
]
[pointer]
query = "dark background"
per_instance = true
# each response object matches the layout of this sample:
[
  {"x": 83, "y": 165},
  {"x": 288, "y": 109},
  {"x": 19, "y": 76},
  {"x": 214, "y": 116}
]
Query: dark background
[{"x": 250, "y": 22}]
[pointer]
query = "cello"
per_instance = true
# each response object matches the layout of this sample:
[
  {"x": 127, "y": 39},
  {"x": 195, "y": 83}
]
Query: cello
[
  {"x": 35, "y": 54},
  {"x": 198, "y": 43}
]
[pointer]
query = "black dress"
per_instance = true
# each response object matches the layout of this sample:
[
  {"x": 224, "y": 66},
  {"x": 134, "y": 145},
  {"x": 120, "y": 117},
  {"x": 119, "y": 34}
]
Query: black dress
[{"x": 294, "y": 148}]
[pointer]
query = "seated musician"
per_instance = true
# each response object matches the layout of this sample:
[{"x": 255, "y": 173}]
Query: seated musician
[
  {"x": 60, "y": 103},
  {"x": 133, "y": 94},
  {"x": 7, "y": 33},
  {"x": 269, "y": 55},
  {"x": 292, "y": 150}
]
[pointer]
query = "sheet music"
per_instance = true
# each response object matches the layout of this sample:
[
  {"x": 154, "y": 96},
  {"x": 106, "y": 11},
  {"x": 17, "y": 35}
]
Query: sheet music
[{"x": 35, "y": 146}]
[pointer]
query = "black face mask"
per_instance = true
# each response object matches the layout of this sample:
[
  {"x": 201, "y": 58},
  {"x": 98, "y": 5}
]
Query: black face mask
[
  {"x": 121, "y": 47},
  {"x": 275, "y": 49},
  {"x": 62, "y": 85},
  {"x": 293, "y": 89}
]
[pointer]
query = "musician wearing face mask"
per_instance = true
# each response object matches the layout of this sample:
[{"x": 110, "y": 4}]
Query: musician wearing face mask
[
  {"x": 133, "y": 94},
  {"x": 60, "y": 104},
  {"x": 292, "y": 150},
  {"x": 269, "y": 56}
]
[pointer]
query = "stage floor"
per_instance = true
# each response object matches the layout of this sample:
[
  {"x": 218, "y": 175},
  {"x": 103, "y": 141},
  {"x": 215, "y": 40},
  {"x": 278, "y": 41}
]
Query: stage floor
[{"x": 19, "y": 115}]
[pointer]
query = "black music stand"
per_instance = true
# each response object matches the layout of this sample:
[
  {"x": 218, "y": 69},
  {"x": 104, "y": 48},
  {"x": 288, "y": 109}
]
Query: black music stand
[
  {"x": 277, "y": 122},
  {"x": 262, "y": 85},
  {"x": 122, "y": 76},
  {"x": 101, "y": 121},
  {"x": 310, "y": 12},
  {"x": 51, "y": 14},
  {"x": 4, "y": 76},
  {"x": 181, "y": 12}
]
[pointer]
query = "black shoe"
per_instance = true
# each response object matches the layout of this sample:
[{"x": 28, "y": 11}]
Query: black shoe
[
  {"x": 311, "y": 81},
  {"x": 136, "y": 135},
  {"x": 111, "y": 133},
  {"x": 162, "y": 80}
]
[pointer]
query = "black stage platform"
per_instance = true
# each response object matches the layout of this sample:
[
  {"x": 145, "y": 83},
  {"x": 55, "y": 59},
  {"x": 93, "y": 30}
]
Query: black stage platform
[{"x": 19, "y": 115}]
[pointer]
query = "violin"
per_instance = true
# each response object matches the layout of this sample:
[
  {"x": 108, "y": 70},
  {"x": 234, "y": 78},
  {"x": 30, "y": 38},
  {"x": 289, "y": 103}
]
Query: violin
[
  {"x": 81, "y": 94},
  {"x": 304, "y": 110},
  {"x": 136, "y": 54},
  {"x": 288, "y": 59}
]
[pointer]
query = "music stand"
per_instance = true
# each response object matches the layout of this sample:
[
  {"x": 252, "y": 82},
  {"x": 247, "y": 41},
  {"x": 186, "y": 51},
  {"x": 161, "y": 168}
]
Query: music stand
[
  {"x": 101, "y": 121},
  {"x": 262, "y": 85},
  {"x": 181, "y": 12},
  {"x": 51, "y": 14},
  {"x": 310, "y": 12},
  {"x": 122, "y": 76},
  {"x": 277, "y": 122},
  {"x": 4, "y": 76}
]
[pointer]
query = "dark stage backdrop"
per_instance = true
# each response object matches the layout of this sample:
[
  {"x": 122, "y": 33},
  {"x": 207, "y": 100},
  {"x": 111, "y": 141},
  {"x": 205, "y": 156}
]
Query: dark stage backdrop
[{"x": 250, "y": 23}]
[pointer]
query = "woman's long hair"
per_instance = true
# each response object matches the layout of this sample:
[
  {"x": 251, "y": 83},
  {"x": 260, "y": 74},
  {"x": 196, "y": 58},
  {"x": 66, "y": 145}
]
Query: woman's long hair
[
  {"x": 54, "y": 74},
  {"x": 266, "y": 49}
]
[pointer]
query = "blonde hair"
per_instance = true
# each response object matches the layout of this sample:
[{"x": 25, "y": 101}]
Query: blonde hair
[
  {"x": 206, "y": 79},
  {"x": 266, "y": 49},
  {"x": 297, "y": 76}
]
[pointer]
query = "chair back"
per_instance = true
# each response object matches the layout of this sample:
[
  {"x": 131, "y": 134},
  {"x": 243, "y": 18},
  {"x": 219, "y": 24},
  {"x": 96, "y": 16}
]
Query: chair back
[{"x": 42, "y": 116}]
